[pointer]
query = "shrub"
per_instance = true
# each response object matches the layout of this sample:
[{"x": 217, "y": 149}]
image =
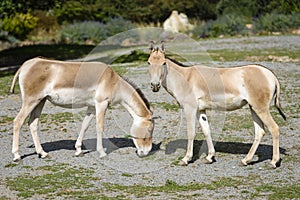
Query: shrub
[
  {"x": 4, "y": 36},
  {"x": 73, "y": 11},
  {"x": 117, "y": 25},
  {"x": 274, "y": 22},
  {"x": 81, "y": 32},
  {"x": 226, "y": 25},
  {"x": 295, "y": 20},
  {"x": 19, "y": 25}
]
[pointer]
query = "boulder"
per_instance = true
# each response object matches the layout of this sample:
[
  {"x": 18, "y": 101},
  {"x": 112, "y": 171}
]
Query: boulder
[{"x": 177, "y": 23}]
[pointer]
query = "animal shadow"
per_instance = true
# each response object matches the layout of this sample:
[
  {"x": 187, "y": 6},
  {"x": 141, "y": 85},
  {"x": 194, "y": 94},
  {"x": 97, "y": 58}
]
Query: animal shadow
[
  {"x": 90, "y": 145},
  {"x": 264, "y": 152}
]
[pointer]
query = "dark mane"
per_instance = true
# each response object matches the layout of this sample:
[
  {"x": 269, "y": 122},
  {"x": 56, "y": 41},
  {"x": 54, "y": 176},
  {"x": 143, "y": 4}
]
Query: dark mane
[
  {"x": 177, "y": 62},
  {"x": 139, "y": 91}
]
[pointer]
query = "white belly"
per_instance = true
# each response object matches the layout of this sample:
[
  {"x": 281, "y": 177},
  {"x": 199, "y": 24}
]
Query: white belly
[
  {"x": 71, "y": 98},
  {"x": 222, "y": 102}
]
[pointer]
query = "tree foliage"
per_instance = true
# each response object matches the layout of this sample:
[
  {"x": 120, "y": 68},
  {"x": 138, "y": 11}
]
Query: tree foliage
[
  {"x": 257, "y": 8},
  {"x": 144, "y": 11},
  {"x": 19, "y": 25},
  {"x": 19, "y": 17}
]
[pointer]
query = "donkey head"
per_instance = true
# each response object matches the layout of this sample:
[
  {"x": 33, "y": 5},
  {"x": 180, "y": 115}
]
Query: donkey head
[
  {"x": 157, "y": 66},
  {"x": 141, "y": 133}
]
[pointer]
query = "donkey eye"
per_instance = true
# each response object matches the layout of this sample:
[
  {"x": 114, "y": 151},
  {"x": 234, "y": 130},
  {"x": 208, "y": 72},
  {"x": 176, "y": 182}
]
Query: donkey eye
[
  {"x": 148, "y": 63},
  {"x": 164, "y": 63}
]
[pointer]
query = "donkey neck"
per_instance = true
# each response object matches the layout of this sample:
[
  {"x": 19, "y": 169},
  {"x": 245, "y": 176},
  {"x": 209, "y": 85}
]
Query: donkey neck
[
  {"x": 133, "y": 102},
  {"x": 175, "y": 78}
]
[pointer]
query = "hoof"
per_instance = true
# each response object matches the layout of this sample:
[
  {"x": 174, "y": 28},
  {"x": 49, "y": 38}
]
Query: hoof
[
  {"x": 45, "y": 155},
  {"x": 103, "y": 154},
  {"x": 243, "y": 163},
  {"x": 209, "y": 160},
  {"x": 17, "y": 159},
  {"x": 182, "y": 163},
  {"x": 273, "y": 166},
  {"x": 78, "y": 154}
]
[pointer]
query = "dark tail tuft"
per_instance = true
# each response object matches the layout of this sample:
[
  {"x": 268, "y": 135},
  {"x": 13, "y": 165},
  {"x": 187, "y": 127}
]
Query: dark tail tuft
[{"x": 277, "y": 102}]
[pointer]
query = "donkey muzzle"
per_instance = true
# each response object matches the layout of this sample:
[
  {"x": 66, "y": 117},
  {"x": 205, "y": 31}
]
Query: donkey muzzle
[{"x": 155, "y": 87}]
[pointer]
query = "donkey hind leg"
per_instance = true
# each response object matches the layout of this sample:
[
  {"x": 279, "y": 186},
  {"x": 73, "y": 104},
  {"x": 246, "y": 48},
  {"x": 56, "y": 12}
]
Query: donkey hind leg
[
  {"x": 85, "y": 124},
  {"x": 259, "y": 133},
  {"x": 34, "y": 128},
  {"x": 191, "y": 123},
  {"x": 274, "y": 130},
  {"x": 18, "y": 122},
  {"x": 206, "y": 131},
  {"x": 100, "y": 113}
]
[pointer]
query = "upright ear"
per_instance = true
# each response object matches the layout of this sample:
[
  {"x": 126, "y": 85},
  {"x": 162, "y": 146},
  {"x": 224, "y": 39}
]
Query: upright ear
[
  {"x": 151, "y": 47},
  {"x": 163, "y": 46}
]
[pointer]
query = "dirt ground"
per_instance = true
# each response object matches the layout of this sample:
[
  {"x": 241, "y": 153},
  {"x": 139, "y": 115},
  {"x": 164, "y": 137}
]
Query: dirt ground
[{"x": 122, "y": 170}]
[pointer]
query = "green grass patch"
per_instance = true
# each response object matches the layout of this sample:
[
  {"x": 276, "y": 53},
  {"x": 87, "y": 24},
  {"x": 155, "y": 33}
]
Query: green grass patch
[
  {"x": 278, "y": 192},
  {"x": 176, "y": 162},
  {"x": 191, "y": 189},
  {"x": 127, "y": 175},
  {"x": 253, "y": 55},
  {"x": 60, "y": 117},
  {"x": 11, "y": 165},
  {"x": 121, "y": 70},
  {"x": 6, "y": 119},
  {"x": 235, "y": 122},
  {"x": 5, "y": 83},
  {"x": 171, "y": 187},
  {"x": 57, "y": 180},
  {"x": 167, "y": 106},
  {"x": 134, "y": 56},
  {"x": 140, "y": 56}
]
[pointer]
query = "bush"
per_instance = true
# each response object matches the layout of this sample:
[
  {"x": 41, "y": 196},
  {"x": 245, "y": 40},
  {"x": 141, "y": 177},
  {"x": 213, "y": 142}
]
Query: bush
[
  {"x": 4, "y": 36},
  {"x": 74, "y": 11},
  {"x": 117, "y": 25},
  {"x": 274, "y": 22},
  {"x": 46, "y": 28},
  {"x": 226, "y": 25},
  {"x": 19, "y": 25},
  {"x": 79, "y": 33},
  {"x": 295, "y": 20}
]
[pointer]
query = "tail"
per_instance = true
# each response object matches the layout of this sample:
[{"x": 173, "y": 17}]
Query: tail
[
  {"x": 276, "y": 100},
  {"x": 14, "y": 81}
]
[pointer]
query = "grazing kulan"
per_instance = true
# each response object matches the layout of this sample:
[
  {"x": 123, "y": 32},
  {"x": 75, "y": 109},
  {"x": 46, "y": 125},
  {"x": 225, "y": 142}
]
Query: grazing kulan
[
  {"x": 75, "y": 85},
  {"x": 200, "y": 88}
]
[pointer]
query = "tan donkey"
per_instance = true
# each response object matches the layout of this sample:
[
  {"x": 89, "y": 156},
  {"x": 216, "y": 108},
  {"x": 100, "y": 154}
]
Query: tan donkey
[
  {"x": 200, "y": 88},
  {"x": 75, "y": 85}
]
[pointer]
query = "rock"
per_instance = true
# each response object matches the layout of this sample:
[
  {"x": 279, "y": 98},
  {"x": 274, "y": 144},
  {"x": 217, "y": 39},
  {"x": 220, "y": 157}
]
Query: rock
[{"x": 177, "y": 23}]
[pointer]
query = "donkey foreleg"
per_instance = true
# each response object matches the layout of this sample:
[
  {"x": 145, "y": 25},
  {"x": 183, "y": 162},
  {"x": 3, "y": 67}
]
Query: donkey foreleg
[
  {"x": 100, "y": 113},
  {"x": 206, "y": 131},
  {"x": 85, "y": 124},
  {"x": 191, "y": 123}
]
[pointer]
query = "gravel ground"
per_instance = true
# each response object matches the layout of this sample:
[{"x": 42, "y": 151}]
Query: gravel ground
[{"x": 123, "y": 167}]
